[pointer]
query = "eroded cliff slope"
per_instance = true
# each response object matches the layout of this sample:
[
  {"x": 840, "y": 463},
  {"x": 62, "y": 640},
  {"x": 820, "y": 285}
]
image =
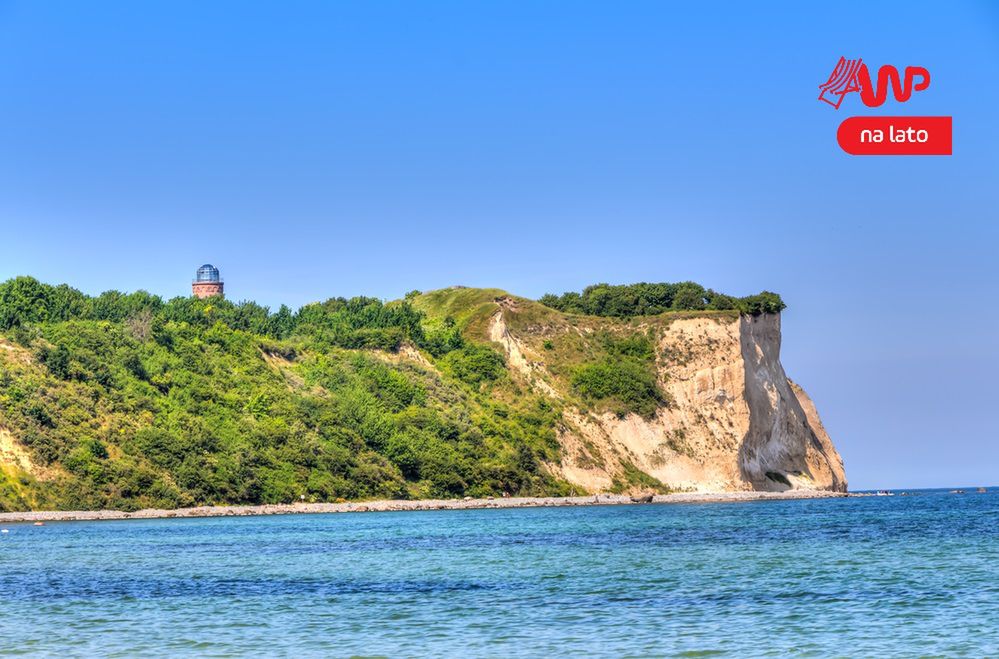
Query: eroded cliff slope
[{"x": 731, "y": 419}]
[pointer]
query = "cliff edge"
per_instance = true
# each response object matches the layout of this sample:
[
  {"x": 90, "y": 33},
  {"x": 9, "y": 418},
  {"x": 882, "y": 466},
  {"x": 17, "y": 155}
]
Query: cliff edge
[{"x": 730, "y": 420}]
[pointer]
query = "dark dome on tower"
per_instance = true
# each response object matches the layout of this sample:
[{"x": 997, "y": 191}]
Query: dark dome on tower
[{"x": 207, "y": 273}]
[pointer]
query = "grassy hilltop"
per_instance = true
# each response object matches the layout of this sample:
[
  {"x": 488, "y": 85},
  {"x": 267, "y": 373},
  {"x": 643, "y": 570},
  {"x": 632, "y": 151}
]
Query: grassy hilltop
[{"x": 128, "y": 401}]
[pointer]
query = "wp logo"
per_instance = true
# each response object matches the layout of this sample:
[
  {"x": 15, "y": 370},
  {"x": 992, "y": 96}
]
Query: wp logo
[{"x": 851, "y": 75}]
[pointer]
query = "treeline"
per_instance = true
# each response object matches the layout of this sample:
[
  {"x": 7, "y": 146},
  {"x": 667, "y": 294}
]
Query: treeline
[
  {"x": 359, "y": 322},
  {"x": 644, "y": 299}
]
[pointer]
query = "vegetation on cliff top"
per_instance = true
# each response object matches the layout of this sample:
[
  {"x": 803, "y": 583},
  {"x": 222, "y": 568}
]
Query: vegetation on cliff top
[
  {"x": 643, "y": 299},
  {"x": 129, "y": 401}
]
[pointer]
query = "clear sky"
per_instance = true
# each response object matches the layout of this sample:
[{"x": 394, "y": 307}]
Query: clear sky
[{"x": 342, "y": 148}]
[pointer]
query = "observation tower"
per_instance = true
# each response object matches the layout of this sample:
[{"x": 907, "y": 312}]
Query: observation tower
[{"x": 207, "y": 282}]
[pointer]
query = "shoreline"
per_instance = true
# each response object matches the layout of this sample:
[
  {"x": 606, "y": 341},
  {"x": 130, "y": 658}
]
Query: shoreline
[{"x": 416, "y": 505}]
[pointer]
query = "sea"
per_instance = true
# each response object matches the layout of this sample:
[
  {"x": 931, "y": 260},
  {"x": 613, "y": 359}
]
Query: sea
[{"x": 875, "y": 576}]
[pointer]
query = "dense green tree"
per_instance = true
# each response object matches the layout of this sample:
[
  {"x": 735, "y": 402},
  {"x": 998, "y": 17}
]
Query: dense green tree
[
  {"x": 26, "y": 300},
  {"x": 651, "y": 299},
  {"x": 117, "y": 306},
  {"x": 765, "y": 302}
]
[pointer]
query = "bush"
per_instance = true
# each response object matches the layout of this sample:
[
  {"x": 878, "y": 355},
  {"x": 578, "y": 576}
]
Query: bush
[
  {"x": 475, "y": 364},
  {"x": 442, "y": 338},
  {"x": 635, "y": 346},
  {"x": 56, "y": 360},
  {"x": 621, "y": 385}
]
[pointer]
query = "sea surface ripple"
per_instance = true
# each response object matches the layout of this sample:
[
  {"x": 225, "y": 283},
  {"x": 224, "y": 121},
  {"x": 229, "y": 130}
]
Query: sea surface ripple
[{"x": 874, "y": 576}]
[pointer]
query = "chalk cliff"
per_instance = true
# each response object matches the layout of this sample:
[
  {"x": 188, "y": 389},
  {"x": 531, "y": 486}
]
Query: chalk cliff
[{"x": 732, "y": 420}]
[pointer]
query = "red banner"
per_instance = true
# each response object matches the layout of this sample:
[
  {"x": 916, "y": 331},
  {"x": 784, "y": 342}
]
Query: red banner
[{"x": 896, "y": 136}]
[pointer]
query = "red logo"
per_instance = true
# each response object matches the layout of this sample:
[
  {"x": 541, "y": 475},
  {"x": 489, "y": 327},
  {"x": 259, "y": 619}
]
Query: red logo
[{"x": 851, "y": 75}]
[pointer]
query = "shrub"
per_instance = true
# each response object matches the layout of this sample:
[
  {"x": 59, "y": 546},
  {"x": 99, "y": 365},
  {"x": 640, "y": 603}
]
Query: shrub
[
  {"x": 635, "y": 346},
  {"x": 56, "y": 360},
  {"x": 475, "y": 364},
  {"x": 622, "y": 385},
  {"x": 442, "y": 338}
]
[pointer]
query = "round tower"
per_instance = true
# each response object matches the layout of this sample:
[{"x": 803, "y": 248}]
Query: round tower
[{"x": 207, "y": 282}]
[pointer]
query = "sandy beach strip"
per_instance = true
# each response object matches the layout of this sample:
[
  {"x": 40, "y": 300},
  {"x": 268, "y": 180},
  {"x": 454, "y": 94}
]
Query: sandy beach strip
[{"x": 401, "y": 505}]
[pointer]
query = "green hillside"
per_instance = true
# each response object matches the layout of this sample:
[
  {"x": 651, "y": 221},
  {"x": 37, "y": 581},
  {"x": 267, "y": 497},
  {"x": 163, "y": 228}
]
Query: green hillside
[{"x": 129, "y": 401}]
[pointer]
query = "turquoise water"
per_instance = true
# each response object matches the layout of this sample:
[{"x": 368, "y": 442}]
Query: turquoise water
[{"x": 877, "y": 576}]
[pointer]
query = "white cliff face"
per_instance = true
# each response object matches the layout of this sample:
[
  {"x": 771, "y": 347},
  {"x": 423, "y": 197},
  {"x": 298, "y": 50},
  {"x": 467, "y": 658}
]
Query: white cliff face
[
  {"x": 781, "y": 447},
  {"x": 734, "y": 421}
]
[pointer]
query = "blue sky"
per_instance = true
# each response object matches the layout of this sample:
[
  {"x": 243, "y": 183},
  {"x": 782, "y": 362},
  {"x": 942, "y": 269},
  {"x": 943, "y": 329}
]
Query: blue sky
[{"x": 341, "y": 148}]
